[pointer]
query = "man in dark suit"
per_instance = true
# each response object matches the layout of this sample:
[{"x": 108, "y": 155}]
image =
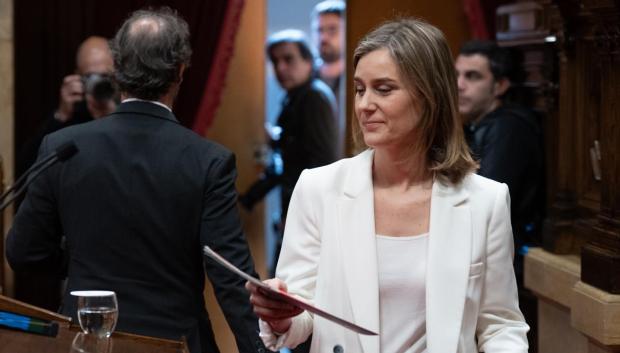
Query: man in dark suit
[
  {"x": 139, "y": 200},
  {"x": 506, "y": 137},
  {"x": 308, "y": 125}
]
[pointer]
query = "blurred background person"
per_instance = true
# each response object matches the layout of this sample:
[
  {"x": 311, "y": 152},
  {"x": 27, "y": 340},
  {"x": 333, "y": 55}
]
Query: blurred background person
[
  {"x": 503, "y": 135},
  {"x": 506, "y": 138},
  {"x": 328, "y": 27},
  {"x": 307, "y": 130},
  {"x": 329, "y": 30},
  {"x": 89, "y": 93}
]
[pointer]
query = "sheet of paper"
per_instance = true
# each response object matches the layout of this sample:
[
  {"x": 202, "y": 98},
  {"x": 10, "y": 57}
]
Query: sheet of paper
[{"x": 285, "y": 297}]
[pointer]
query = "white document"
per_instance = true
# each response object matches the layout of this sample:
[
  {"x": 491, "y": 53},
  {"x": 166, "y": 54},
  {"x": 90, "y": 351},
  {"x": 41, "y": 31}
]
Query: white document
[{"x": 285, "y": 297}]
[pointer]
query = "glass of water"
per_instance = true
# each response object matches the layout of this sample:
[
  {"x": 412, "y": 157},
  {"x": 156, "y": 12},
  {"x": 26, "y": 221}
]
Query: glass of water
[
  {"x": 97, "y": 311},
  {"x": 83, "y": 343}
]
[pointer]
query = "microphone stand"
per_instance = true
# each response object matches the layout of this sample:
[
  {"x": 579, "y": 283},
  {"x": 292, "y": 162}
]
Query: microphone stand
[{"x": 61, "y": 154}]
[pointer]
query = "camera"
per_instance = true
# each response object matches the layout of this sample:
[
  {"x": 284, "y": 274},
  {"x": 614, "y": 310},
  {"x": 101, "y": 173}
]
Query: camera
[{"x": 100, "y": 86}]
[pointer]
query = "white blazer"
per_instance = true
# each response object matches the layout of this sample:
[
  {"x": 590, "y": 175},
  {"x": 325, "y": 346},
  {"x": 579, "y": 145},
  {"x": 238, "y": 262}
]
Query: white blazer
[{"x": 329, "y": 257}]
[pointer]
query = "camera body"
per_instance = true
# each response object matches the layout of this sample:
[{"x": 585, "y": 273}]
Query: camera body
[{"x": 100, "y": 86}]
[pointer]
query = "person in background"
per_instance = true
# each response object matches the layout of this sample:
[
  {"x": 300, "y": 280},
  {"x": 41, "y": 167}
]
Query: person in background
[
  {"x": 307, "y": 122},
  {"x": 328, "y": 26},
  {"x": 507, "y": 140},
  {"x": 138, "y": 202},
  {"x": 361, "y": 239},
  {"x": 89, "y": 93}
]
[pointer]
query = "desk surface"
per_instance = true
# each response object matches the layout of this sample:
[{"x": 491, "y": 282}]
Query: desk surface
[{"x": 71, "y": 340}]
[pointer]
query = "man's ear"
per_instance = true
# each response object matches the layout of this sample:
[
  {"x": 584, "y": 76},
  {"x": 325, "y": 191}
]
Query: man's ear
[
  {"x": 181, "y": 71},
  {"x": 500, "y": 87}
]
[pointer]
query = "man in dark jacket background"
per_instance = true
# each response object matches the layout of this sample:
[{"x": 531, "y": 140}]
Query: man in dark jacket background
[
  {"x": 506, "y": 138},
  {"x": 139, "y": 201},
  {"x": 309, "y": 130}
]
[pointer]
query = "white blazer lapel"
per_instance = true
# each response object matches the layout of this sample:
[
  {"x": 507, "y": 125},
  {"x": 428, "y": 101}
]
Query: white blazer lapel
[
  {"x": 447, "y": 274},
  {"x": 358, "y": 246}
]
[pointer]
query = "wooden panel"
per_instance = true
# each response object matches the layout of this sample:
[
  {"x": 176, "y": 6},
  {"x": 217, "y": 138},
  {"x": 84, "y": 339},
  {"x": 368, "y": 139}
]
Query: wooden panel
[
  {"x": 15, "y": 306},
  {"x": 1, "y": 230},
  {"x": 6, "y": 122},
  {"x": 238, "y": 125},
  {"x": 585, "y": 138},
  {"x": 587, "y": 113},
  {"x": 70, "y": 340}
]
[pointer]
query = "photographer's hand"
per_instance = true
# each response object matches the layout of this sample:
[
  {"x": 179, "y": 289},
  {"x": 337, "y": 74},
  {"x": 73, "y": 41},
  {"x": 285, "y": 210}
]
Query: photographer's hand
[{"x": 71, "y": 91}]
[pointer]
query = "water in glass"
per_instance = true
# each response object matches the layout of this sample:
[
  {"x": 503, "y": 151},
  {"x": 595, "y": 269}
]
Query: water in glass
[{"x": 97, "y": 312}]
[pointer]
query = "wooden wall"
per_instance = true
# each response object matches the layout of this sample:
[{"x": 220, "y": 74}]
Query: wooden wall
[
  {"x": 6, "y": 120},
  {"x": 585, "y": 138},
  {"x": 238, "y": 125}
]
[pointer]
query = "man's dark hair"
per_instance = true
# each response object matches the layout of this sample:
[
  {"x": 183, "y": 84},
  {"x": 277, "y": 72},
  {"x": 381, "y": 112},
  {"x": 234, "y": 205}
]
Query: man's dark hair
[
  {"x": 335, "y": 7},
  {"x": 148, "y": 51},
  {"x": 503, "y": 62},
  {"x": 290, "y": 36}
]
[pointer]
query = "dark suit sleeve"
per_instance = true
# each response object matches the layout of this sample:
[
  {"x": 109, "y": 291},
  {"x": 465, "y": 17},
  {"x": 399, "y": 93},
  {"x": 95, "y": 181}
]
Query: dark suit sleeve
[
  {"x": 221, "y": 230},
  {"x": 34, "y": 241},
  {"x": 320, "y": 136},
  {"x": 504, "y": 152}
]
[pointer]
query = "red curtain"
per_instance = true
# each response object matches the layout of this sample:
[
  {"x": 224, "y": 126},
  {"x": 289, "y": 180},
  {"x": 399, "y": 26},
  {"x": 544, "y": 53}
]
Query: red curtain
[
  {"x": 214, "y": 86},
  {"x": 475, "y": 15},
  {"x": 481, "y": 16}
]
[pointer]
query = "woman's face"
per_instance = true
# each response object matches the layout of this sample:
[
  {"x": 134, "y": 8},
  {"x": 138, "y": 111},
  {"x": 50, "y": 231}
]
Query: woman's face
[{"x": 385, "y": 109}]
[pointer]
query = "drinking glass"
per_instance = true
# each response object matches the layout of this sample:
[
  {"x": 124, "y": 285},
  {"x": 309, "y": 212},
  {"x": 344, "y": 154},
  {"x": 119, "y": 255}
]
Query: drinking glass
[
  {"x": 97, "y": 311},
  {"x": 83, "y": 343}
]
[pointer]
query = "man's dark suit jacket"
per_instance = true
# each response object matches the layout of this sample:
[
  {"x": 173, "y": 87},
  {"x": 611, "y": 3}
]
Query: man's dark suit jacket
[
  {"x": 136, "y": 204},
  {"x": 508, "y": 143},
  {"x": 308, "y": 140}
]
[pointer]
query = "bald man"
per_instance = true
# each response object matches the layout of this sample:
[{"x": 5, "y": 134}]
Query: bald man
[
  {"x": 93, "y": 57},
  {"x": 75, "y": 106},
  {"x": 93, "y": 63}
]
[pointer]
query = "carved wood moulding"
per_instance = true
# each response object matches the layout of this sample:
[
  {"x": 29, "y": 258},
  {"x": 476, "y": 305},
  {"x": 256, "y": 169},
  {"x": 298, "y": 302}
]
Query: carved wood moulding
[{"x": 589, "y": 44}]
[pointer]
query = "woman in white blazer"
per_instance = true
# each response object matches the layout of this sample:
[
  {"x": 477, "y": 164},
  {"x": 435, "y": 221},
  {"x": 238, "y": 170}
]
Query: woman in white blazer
[{"x": 402, "y": 239}]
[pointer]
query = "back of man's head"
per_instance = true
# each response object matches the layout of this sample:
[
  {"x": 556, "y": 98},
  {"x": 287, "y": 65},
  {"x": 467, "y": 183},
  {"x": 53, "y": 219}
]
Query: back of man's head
[
  {"x": 503, "y": 62},
  {"x": 149, "y": 50}
]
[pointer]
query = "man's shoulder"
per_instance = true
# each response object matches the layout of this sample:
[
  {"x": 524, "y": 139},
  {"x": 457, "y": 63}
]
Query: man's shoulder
[
  {"x": 316, "y": 91},
  {"x": 509, "y": 121},
  {"x": 512, "y": 116},
  {"x": 108, "y": 127}
]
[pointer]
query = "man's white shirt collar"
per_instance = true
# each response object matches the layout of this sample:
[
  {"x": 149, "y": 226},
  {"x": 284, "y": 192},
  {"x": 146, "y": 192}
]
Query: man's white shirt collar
[{"x": 144, "y": 100}]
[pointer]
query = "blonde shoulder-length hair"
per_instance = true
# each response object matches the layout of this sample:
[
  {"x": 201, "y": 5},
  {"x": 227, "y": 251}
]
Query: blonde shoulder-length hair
[{"x": 424, "y": 60}]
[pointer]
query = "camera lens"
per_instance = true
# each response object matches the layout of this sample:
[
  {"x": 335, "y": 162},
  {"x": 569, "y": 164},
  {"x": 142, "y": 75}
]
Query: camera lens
[{"x": 100, "y": 87}]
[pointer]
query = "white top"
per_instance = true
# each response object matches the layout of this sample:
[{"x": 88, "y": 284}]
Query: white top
[{"x": 401, "y": 264}]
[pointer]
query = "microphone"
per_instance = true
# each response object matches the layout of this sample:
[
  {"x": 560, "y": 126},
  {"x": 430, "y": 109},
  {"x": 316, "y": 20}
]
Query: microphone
[{"x": 60, "y": 154}]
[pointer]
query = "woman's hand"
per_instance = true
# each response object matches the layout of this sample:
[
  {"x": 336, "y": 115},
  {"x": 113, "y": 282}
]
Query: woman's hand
[{"x": 276, "y": 313}]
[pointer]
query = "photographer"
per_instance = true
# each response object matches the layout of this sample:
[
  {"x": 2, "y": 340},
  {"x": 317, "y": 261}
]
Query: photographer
[{"x": 87, "y": 94}]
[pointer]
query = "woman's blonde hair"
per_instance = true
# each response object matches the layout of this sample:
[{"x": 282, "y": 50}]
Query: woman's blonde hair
[{"x": 424, "y": 60}]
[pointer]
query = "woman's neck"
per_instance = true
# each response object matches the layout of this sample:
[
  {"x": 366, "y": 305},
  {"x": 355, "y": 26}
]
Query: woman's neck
[{"x": 400, "y": 168}]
